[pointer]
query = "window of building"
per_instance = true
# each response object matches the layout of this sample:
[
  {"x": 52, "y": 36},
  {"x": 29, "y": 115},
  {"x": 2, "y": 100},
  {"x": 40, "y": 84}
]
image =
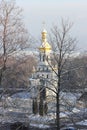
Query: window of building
[
  {"x": 43, "y": 57},
  {"x": 42, "y": 75},
  {"x": 40, "y": 57},
  {"x": 47, "y": 68},
  {"x": 38, "y": 76},
  {"x": 47, "y": 58}
]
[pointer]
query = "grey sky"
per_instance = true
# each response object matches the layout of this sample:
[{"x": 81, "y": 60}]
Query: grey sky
[{"x": 50, "y": 11}]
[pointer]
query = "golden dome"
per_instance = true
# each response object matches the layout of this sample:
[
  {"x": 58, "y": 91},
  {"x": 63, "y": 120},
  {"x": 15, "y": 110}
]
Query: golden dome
[
  {"x": 44, "y": 35},
  {"x": 45, "y": 47}
]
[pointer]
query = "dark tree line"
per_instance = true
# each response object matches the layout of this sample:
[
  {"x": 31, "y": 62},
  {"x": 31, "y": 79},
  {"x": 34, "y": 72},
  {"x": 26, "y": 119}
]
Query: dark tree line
[{"x": 76, "y": 77}]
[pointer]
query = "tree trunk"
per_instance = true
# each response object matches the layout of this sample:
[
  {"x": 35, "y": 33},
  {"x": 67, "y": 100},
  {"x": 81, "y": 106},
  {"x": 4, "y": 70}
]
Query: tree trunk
[
  {"x": 41, "y": 111},
  {"x": 1, "y": 73},
  {"x": 58, "y": 101},
  {"x": 45, "y": 108},
  {"x": 57, "y": 112},
  {"x": 35, "y": 106},
  {"x": 0, "y": 78},
  {"x": 43, "y": 104}
]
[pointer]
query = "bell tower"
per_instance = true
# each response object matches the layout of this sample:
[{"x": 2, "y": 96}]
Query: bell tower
[
  {"x": 43, "y": 72},
  {"x": 42, "y": 76},
  {"x": 44, "y": 57}
]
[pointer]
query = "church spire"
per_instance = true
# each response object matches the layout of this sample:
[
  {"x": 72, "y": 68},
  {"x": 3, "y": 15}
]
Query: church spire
[
  {"x": 44, "y": 35},
  {"x": 45, "y": 47}
]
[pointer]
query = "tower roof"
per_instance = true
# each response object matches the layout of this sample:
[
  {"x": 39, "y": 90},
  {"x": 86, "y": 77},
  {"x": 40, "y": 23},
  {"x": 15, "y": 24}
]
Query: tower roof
[{"x": 45, "y": 47}]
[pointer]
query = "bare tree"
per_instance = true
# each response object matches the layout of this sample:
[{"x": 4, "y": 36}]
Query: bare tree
[
  {"x": 14, "y": 39},
  {"x": 63, "y": 46},
  {"x": 13, "y": 35},
  {"x": 18, "y": 77}
]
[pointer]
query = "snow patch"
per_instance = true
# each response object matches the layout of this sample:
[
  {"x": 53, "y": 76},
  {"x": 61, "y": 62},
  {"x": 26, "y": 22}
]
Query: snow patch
[
  {"x": 40, "y": 125},
  {"x": 82, "y": 122}
]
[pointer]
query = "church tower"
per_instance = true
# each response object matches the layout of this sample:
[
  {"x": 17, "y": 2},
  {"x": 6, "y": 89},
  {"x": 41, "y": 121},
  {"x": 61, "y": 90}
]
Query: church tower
[
  {"x": 43, "y": 72},
  {"x": 44, "y": 57},
  {"x": 42, "y": 77}
]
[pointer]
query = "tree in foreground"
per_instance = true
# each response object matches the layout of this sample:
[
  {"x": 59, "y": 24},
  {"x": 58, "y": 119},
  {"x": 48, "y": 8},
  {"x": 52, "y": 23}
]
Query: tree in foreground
[
  {"x": 13, "y": 39},
  {"x": 63, "y": 46},
  {"x": 13, "y": 35}
]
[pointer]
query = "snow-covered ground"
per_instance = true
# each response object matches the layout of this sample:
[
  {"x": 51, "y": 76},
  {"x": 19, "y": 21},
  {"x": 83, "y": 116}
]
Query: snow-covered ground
[
  {"x": 41, "y": 122},
  {"x": 84, "y": 122},
  {"x": 39, "y": 119},
  {"x": 22, "y": 102}
]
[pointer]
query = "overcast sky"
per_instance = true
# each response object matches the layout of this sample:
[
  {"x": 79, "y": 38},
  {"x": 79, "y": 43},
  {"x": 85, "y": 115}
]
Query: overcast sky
[{"x": 50, "y": 11}]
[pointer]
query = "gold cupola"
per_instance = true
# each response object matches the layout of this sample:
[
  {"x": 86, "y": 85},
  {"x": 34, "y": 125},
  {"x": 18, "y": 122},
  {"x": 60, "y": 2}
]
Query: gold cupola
[
  {"x": 45, "y": 47},
  {"x": 44, "y": 35}
]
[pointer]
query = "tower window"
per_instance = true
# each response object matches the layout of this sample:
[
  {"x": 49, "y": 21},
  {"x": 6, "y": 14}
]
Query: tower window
[
  {"x": 47, "y": 76},
  {"x": 42, "y": 75},
  {"x": 47, "y": 58},
  {"x": 40, "y": 57},
  {"x": 38, "y": 76},
  {"x": 43, "y": 57}
]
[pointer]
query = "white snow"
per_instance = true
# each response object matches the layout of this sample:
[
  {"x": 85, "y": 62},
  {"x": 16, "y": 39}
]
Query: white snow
[
  {"x": 40, "y": 125},
  {"x": 75, "y": 110},
  {"x": 82, "y": 122},
  {"x": 40, "y": 119},
  {"x": 20, "y": 102},
  {"x": 64, "y": 114},
  {"x": 68, "y": 97},
  {"x": 24, "y": 95}
]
